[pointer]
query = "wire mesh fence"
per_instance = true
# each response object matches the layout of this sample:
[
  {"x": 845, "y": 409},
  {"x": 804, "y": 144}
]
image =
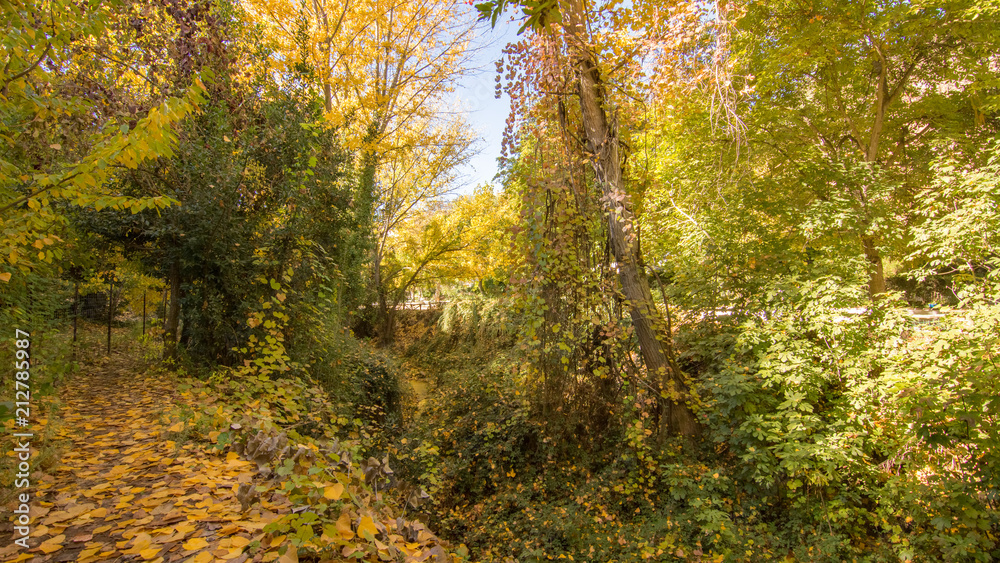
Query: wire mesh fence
[{"x": 100, "y": 312}]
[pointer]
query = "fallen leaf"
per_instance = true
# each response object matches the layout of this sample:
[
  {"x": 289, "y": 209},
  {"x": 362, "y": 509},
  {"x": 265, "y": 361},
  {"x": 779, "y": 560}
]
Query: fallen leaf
[
  {"x": 334, "y": 491},
  {"x": 203, "y": 557},
  {"x": 195, "y": 543},
  {"x": 344, "y": 527},
  {"x": 366, "y": 528},
  {"x": 52, "y": 544}
]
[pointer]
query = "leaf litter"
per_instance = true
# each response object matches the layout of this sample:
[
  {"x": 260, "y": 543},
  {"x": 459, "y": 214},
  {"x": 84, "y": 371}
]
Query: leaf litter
[{"x": 134, "y": 484}]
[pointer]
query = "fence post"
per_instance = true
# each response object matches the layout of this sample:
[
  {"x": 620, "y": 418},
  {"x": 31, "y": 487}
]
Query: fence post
[
  {"x": 111, "y": 295},
  {"x": 163, "y": 308},
  {"x": 76, "y": 307}
]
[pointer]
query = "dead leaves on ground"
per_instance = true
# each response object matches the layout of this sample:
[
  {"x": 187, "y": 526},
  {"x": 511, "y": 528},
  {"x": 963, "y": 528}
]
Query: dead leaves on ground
[
  {"x": 135, "y": 484},
  {"x": 123, "y": 491}
]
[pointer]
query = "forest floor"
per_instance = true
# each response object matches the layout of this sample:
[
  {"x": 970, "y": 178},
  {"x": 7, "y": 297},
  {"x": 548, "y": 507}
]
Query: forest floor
[{"x": 122, "y": 490}]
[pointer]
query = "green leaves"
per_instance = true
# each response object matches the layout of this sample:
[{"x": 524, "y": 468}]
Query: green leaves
[{"x": 540, "y": 13}]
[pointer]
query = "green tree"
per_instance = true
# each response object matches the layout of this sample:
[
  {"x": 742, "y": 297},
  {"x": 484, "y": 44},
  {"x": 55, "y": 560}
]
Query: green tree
[
  {"x": 846, "y": 104},
  {"x": 261, "y": 189},
  {"x": 61, "y": 141},
  {"x": 585, "y": 44}
]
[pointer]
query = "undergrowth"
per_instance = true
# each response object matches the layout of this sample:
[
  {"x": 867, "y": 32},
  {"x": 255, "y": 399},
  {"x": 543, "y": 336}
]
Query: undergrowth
[{"x": 827, "y": 438}]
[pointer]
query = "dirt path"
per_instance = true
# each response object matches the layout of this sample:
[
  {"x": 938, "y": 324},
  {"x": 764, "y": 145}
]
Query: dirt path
[{"x": 123, "y": 491}]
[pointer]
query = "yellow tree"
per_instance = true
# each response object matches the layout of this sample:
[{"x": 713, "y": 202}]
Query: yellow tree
[
  {"x": 485, "y": 219},
  {"x": 423, "y": 246},
  {"x": 383, "y": 69},
  {"x": 411, "y": 183}
]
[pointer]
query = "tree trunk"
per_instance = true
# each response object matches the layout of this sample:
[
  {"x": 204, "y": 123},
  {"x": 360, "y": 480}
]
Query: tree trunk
[
  {"x": 386, "y": 317},
  {"x": 173, "y": 314},
  {"x": 876, "y": 274},
  {"x": 602, "y": 143}
]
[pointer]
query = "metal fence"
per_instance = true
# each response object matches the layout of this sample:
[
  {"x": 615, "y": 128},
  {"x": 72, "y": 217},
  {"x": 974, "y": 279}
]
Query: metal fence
[{"x": 101, "y": 312}]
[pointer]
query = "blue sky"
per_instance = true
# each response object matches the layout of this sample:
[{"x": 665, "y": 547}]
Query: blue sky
[{"x": 485, "y": 113}]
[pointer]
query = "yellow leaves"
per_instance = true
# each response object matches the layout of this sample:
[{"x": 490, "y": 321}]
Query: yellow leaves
[
  {"x": 344, "y": 526},
  {"x": 118, "y": 470},
  {"x": 140, "y": 542},
  {"x": 52, "y": 544},
  {"x": 195, "y": 544},
  {"x": 333, "y": 492},
  {"x": 186, "y": 490},
  {"x": 5, "y": 276},
  {"x": 177, "y": 427},
  {"x": 227, "y": 554},
  {"x": 367, "y": 528}
]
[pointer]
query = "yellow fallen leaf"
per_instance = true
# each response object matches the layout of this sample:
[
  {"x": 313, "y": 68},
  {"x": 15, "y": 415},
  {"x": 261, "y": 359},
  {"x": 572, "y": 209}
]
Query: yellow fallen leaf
[
  {"x": 344, "y": 526},
  {"x": 177, "y": 427},
  {"x": 5, "y": 277},
  {"x": 203, "y": 557},
  {"x": 232, "y": 456},
  {"x": 366, "y": 528},
  {"x": 231, "y": 554},
  {"x": 141, "y": 542},
  {"x": 195, "y": 543},
  {"x": 150, "y": 553},
  {"x": 52, "y": 544},
  {"x": 334, "y": 491}
]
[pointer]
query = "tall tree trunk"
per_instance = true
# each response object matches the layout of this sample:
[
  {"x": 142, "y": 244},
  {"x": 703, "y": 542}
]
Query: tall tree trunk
[
  {"x": 386, "y": 317},
  {"x": 602, "y": 143},
  {"x": 876, "y": 273},
  {"x": 173, "y": 313}
]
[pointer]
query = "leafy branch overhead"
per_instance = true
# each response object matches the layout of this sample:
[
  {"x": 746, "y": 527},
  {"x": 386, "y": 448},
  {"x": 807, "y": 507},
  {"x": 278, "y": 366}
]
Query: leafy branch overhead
[{"x": 538, "y": 14}]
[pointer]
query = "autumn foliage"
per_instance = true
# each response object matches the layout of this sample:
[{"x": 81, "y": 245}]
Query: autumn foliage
[{"x": 732, "y": 294}]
